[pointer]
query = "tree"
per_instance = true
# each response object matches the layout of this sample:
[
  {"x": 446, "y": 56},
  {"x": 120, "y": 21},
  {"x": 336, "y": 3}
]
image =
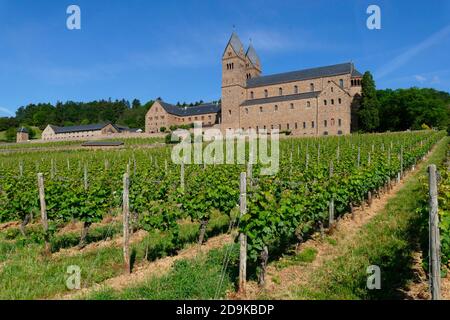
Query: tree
[
  {"x": 136, "y": 104},
  {"x": 368, "y": 112},
  {"x": 10, "y": 134}
]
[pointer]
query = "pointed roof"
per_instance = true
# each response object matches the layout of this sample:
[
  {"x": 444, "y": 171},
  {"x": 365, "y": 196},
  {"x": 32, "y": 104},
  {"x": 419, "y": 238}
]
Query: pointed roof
[
  {"x": 252, "y": 56},
  {"x": 235, "y": 43}
]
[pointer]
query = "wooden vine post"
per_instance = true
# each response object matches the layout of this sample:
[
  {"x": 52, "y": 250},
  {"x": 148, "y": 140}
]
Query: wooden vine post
[
  {"x": 43, "y": 206},
  {"x": 242, "y": 236},
  {"x": 126, "y": 222},
  {"x": 182, "y": 177},
  {"x": 434, "y": 239}
]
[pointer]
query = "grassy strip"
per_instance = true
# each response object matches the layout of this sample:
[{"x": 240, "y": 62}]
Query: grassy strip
[
  {"x": 28, "y": 274},
  {"x": 387, "y": 241},
  {"x": 196, "y": 278}
]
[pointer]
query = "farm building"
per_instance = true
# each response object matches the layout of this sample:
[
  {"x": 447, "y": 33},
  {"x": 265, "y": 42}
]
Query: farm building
[{"x": 104, "y": 130}]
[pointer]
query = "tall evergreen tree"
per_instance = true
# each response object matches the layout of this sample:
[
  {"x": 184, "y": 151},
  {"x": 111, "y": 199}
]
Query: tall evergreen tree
[{"x": 368, "y": 113}]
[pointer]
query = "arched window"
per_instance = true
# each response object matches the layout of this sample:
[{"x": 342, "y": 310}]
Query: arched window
[
  {"x": 276, "y": 108},
  {"x": 287, "y": 126},
  {"x": 280, "y": 91},
  {"x": 308, "y": 104},
  {"x": 332, "y": 89},
  {"x": 304, "y": 125},
  {"x": 260, "y": 109},
  {"x": 295, "y": 89},
  {"x": 332, "y": 101},
  {"x": 312, "y": 124},
  {"x": 266, "y": 93},
  {"x": 252, "y": 95},
  {"x": 229, "y": 113},
  {"x": 292, "y": 106},
  {"x": 339, "y": 100},
  {"x": 324, "y": 102},
  {"x": 332, "y": 122},
  {"x": 311, "y": 87},
  {"x": 339, "y": 122},
  {"x": 341, "y": 83},
  {"x": 325, "y": 133},
  {"x": 325, "y": 123}
]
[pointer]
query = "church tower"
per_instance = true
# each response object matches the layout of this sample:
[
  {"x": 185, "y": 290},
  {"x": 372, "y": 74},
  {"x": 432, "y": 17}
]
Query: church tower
[
  {"x": 234, "y": 77},
  {"x": 253, "y": 64}
]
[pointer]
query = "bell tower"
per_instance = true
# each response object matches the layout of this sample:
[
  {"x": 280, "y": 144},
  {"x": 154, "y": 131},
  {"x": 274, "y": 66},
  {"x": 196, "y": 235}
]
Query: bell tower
[
  {"x": 234, "y": 71},
  {"x": 253, "y": 64}
]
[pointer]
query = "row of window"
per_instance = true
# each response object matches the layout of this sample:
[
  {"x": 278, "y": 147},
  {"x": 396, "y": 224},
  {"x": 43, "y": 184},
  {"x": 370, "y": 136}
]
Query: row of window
[
  {"x": 181, "y": 119},
  {"x": 304, "y": 125},
  {"x": 295, "y": 91},
  {"x": 291, "y": 106},
  {"x": 230, "y": 66},
  {"x": 156, "y": 118},
  {"x": 325, "y": 102},
  {"x": 355, "y": 82}
]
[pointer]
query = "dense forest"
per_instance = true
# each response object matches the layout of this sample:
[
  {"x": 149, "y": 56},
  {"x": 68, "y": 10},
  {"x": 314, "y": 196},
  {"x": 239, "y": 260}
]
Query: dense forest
[{"x": 402, "y": 109}]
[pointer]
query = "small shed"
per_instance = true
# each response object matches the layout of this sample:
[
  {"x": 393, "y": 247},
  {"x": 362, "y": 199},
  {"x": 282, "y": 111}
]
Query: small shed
[{"x": 22, "y": 135}]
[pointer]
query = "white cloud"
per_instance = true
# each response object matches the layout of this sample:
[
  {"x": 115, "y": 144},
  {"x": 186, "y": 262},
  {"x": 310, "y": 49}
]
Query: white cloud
[
  {"x": 6, "y": 112},
  {"x": 420, "y": 78},
  {"x": 436, "y": 80},
  {"x": 405, "y": 57}
]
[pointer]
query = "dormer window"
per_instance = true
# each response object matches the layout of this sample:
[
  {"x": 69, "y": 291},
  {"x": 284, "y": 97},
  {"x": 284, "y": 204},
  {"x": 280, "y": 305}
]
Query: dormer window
[
  {"x": 311, "y": 87},
  {"x": 280, "y": 91},
  {"x": 266, "y": 93},
  {"x": 295, "y": 89}
]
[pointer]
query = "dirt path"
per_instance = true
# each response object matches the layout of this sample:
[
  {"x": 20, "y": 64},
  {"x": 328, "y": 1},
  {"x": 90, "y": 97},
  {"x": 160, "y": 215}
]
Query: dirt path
[
  {"x": 279, "y": 281},
  {"x": 146, "y": 270}
]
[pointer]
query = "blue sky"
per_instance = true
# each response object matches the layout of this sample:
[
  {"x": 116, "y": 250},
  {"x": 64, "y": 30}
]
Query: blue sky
[{"x": 172, "y": 49}]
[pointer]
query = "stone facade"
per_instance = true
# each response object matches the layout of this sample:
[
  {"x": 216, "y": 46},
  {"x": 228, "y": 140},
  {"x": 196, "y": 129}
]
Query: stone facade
[
  {"x": 310, "y": 102},
  {"x": 163, "y": 115}
]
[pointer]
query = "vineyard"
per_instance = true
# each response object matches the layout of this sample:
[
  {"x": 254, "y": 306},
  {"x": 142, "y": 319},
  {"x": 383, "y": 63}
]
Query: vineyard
[
  {"x": 444, "y": 214},
  {"x": 172, "y": 206}
]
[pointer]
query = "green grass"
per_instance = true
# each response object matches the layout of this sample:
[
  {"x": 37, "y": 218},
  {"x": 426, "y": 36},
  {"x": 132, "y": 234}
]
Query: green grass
[
  {"x": 196, "y": 278},
  {"x": 28, "y": 274},
  {"x": 306, "y": 256},
  {"x": 387, "y": 241}
]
